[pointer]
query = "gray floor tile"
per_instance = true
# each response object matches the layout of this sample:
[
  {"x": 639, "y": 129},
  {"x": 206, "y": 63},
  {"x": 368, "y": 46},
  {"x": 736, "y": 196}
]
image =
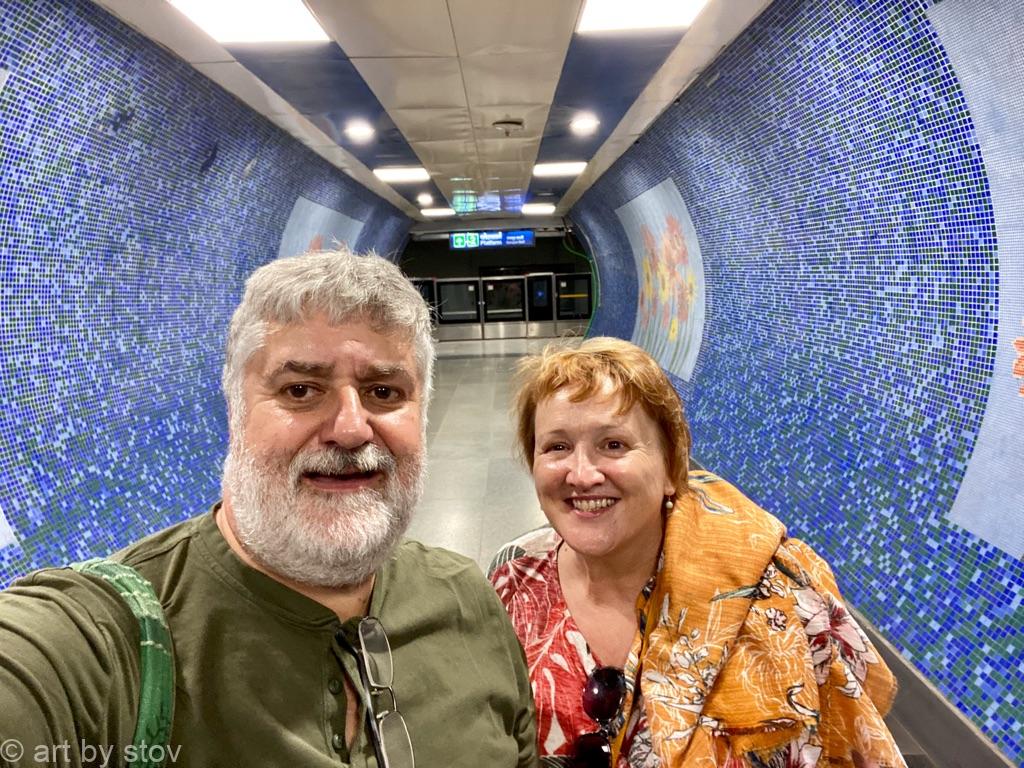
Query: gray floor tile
[
  {"x": 453, "y": 524},
  {"x": 454, "y": 479},
  {"x": 508, "y": 479}
]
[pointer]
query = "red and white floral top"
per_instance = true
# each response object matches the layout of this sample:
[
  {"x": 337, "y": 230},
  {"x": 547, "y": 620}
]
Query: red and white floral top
[{"x": 557, "y": 655}]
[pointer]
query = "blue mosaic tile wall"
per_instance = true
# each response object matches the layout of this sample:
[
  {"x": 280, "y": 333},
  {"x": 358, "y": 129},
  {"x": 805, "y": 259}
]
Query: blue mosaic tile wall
[
  {"x": 833, "y": 174},
  {"x": 121, "y": 259}
]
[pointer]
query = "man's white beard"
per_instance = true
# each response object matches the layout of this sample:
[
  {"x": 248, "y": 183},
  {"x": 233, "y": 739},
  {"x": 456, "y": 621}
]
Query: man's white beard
[{"x": 315, "y": 537}]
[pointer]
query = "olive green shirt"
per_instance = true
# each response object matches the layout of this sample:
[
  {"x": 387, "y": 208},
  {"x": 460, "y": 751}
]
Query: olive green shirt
[{"x": 259, "y": 667}]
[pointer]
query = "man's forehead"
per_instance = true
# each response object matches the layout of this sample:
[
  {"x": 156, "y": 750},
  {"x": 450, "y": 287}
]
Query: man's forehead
[{"x": 315, "y": 343}]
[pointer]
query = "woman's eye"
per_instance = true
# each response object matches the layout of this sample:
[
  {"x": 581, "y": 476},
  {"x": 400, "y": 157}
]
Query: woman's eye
[
  {"x": 615, "y": 445},
  {"x": 556, "y": 447}
]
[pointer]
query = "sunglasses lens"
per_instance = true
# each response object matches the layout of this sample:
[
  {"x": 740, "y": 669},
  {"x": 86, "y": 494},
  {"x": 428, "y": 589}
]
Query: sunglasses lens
[
  {"x": 592, "y": 750},
  {"x": 603, "y": 693},
  {"x": 377, "y": 652}
]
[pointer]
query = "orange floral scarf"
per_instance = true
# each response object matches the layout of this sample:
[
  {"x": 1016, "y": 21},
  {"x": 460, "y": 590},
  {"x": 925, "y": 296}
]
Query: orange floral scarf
[{"x": 748, "y": 655}]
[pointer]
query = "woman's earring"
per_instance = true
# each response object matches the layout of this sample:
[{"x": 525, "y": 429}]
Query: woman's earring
[{"x": 668, "y": 503}]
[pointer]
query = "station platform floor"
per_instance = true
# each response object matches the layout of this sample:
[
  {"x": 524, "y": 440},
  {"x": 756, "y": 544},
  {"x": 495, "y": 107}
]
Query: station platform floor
[{"x": 478, "y": 496}]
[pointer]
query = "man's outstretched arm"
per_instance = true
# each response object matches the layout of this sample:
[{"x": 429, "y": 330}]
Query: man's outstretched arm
[{"x": 69, "y": 671}]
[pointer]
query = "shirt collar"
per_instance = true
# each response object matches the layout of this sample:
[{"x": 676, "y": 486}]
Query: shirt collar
[{"x": 260, "y": 588}]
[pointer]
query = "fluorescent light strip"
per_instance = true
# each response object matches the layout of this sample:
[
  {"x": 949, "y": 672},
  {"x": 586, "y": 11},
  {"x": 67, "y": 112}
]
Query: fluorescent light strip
[
  {"x": 253, "y": 21},
  {"x": 437, "y": 212},
  {"x": 615, "y": 15},
  {"x": 400, "y": 175},
  {"x": 543, "y": 170},
  {"x": 538, "y": 209}
]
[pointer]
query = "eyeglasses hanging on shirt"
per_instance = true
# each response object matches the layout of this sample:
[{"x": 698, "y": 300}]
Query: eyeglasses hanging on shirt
[{"x": 388, "y": 731}]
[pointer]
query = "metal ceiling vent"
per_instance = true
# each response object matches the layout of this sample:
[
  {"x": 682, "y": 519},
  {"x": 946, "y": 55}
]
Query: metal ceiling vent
[{"x": 509, "y": 125}]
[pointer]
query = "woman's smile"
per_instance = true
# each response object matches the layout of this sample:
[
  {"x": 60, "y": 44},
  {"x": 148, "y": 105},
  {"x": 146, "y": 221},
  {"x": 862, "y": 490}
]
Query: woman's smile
[{"x": 590, "y": 506}]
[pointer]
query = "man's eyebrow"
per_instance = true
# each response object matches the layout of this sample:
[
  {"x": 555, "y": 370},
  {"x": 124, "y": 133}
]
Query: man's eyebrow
[
  {"x": 317, "y": 370},
  {"x": 385, "y": 371}
]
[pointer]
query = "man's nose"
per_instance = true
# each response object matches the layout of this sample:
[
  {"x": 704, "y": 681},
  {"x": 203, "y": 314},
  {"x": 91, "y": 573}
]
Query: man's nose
[
  {"x": 348, "y": 424},
  {"x": 583, "y": 472}
]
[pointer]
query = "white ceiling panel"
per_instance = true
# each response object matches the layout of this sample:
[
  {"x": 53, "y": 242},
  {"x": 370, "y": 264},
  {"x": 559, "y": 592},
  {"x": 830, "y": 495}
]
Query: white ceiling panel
[
  {"x": 445, "y": 152},
  {"x": 433, "y": 124},
  {"x": 500, "y": 184},
  {"x": 509, "y": 150},
  {"x": 490, "y": 169},
  {"x": 414, "y": 83},
  {"x": 496, "y": 27},
  {"x": 534, "y": 116},
  {"x": 512, "y": 78},
  {"x": 445, "y": 71},
  {"x": 448, "y": 171},
  {"x": 387, "y": 28}
]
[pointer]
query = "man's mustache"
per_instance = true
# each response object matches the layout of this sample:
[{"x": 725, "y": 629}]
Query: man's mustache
[{"x": 337, "y": 461}]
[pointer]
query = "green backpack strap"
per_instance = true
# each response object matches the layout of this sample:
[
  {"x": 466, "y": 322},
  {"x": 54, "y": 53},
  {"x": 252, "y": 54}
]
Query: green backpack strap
[{"x": 156, "y": 659}]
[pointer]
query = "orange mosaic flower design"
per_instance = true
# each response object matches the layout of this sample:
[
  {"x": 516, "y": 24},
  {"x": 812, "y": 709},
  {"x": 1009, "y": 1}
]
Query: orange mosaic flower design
[
  {"x": 1018, "y": 365},
  {"x": 668, "y": 284}
]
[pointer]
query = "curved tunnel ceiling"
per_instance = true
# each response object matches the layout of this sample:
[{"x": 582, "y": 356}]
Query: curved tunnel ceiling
[{"x": 432, "y": 77}]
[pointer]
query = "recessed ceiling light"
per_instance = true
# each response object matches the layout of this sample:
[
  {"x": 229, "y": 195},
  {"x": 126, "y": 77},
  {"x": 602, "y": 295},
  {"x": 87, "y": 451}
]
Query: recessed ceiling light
[
  {"x": 584, "y": 124},
  {"x": 437, "y": 212},
  {"x": 558, "y": 169},
  {"x": 610, "y": 15},
  {"x": 538, "y": 209},
  {"x": 424, "y": 198},
  {"x": 400, "y": 175},
  {"x": 359, "y": 131},
  {"x": 253, "y": 21}
]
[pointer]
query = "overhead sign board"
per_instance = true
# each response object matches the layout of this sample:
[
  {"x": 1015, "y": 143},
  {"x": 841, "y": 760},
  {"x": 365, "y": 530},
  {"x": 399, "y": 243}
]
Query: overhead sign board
[{"x": 513, "y": 238}]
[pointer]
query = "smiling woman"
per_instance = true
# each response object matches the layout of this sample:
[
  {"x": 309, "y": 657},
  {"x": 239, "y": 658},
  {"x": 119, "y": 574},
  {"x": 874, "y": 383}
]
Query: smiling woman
[{"x": 668, "y": 620}]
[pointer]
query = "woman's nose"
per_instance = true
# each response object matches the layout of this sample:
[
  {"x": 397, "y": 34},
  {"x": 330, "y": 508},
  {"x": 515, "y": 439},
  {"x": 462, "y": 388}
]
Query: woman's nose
[{"x": 583, "y": 472}]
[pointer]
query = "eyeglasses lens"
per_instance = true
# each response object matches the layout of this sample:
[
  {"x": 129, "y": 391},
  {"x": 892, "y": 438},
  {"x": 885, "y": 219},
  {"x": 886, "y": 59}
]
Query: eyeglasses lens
[
  {"x": 395, "y": 741},
  {"x": 377, "y": 652}
]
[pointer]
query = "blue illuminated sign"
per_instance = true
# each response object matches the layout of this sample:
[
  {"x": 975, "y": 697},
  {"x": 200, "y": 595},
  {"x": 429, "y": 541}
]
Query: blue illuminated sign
[{"x": 516, "y": 238}]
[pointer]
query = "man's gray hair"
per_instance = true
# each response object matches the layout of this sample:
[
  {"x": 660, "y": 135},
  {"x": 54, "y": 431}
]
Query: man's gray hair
[{"x": 342, "y": 285}]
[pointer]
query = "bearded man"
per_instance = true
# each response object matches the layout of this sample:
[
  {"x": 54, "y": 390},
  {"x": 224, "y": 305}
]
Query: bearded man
[{"x": 303, "y": 632}]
